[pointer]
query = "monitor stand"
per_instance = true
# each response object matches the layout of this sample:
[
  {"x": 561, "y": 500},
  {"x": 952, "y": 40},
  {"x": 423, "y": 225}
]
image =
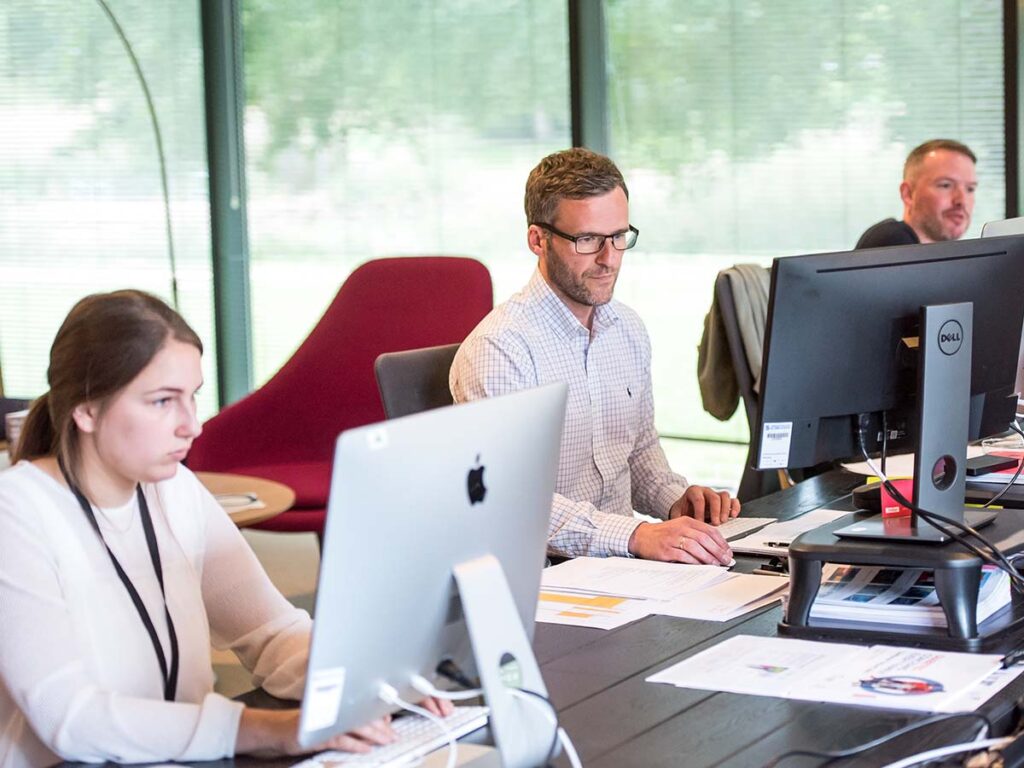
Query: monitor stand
[
  {"x": 943, "y": 417},
  {"x": 957, "y": 580},
  {"x": 522, "y": 730},
  {"x": 943, "y": 422},
  {"x": 911, "y": 528}
]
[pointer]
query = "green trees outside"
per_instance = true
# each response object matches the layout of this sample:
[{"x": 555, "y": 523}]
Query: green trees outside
[{"x": 747, "y": 129}]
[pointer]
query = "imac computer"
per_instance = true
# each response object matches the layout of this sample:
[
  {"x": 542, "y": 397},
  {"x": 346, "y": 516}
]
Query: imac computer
[
  {"x": 912, "y": 347},
  {"x": 435, "y": 539}
]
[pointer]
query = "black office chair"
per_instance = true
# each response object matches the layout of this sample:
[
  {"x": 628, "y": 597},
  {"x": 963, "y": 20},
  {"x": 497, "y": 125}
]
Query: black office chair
[
  {"x": 414, "y": 380},
  {"x": 753, "y": 483}
]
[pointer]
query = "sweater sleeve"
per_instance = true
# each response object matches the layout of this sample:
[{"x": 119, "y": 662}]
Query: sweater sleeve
[
  {"x": 247, "y": 614},
  {"x": 44, "y": 668}
]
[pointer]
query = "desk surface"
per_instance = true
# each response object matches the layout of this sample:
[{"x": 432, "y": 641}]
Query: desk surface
[{"x": 596, "y": 680}]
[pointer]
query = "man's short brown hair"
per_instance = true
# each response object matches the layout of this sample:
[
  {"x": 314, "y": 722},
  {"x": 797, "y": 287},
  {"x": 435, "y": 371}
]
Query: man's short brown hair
[
  {"x": 573, "y": 174},
  {"x": 918, "y": 153}
]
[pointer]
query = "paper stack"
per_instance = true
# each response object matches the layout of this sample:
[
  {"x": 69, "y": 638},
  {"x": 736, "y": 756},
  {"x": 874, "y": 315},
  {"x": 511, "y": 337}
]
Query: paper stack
[
  {"x": 903, "y": 596},
  {"x": 773, "y": 540},
  {"x": 608, "y": 592}
]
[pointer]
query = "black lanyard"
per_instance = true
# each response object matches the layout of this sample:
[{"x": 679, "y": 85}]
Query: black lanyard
[{"x": 169, "y": 676}]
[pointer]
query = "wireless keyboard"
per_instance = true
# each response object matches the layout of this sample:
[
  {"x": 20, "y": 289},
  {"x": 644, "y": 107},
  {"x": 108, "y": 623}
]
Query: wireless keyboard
[
  {"x": 739, "y": 526},
  {"x": 417, "y": 736}
]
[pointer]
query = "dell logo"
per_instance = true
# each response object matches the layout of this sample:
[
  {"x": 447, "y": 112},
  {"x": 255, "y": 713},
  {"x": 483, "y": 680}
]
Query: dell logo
[{"x": 951, "y": 336}]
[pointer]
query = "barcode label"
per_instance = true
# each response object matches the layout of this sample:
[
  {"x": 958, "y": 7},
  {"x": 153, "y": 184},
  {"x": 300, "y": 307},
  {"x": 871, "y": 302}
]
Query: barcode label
[{"x": 775, "y": 437}]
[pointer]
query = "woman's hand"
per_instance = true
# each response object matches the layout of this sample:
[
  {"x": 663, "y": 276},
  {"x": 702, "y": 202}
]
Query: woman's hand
[
  {"x": 439, "y": 707},
  {"x": 276, "y": 732}
]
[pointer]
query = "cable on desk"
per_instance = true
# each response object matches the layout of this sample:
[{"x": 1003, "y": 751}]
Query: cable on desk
[
  {"x": 1013, "y": 480},
  {"x": 389, "y": 695},
  {"x": 427, "y": 688},
  {"x": 993, "y": 556},
  {"x": 450, "y": 670},
  {"x": 953, "y": 749},
  {"x": 552, "y": 718},
  {"x": 867, "y": 746}
]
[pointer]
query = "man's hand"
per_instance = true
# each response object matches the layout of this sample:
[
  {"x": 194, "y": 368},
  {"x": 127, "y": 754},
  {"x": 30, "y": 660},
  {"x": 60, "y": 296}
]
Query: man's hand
[
  {"x": 682, "y": 540},
  {"x": 702, "y": 504}
]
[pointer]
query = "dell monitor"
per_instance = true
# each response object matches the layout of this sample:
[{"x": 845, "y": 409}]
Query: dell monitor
[
  {"x": 436, "y": 535},
  {"x": 914, "y": 347}
]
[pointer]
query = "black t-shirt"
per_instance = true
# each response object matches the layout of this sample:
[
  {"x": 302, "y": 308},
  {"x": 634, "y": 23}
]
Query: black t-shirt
[{"x": 888, "y": 232}]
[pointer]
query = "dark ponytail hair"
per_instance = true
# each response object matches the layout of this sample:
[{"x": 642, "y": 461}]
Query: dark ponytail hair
[{"x": 106, "y": 340}]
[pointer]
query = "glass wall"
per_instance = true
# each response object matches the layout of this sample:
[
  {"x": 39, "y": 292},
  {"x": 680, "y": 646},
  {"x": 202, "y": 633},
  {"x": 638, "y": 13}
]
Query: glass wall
[
  {"x": 753, "y": 129},
  {"x": 391, "y": 128},
  {"x": 81, "y": 203},
  {"x": 747, "y": 130}
]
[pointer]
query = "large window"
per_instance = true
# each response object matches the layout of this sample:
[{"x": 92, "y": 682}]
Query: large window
[
  {"x": 747, "y": 130},
  {"x": 753, "y": 129},
  {"x": 81, "y": 207},
  {"x": 391, "y": 128}
]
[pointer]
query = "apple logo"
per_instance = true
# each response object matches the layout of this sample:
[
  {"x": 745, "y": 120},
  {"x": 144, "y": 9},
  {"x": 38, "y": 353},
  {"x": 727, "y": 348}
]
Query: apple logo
[{"x": 475, "y": 483}]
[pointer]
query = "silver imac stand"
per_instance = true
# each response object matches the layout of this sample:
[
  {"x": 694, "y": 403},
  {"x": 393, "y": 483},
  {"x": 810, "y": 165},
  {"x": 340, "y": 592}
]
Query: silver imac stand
[{"x": 504, "y": 660}]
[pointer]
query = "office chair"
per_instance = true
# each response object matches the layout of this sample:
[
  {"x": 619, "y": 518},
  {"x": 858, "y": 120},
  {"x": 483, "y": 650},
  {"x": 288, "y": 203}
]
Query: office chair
[
  {"x": 286, "y": 429},
  {"x": 414, "y": 380},
  {"x": 753, "y": 483}
]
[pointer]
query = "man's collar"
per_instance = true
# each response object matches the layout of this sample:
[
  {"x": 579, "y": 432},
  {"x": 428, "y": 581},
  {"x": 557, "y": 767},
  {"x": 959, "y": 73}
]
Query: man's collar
[{"x": 562, "y": 318}]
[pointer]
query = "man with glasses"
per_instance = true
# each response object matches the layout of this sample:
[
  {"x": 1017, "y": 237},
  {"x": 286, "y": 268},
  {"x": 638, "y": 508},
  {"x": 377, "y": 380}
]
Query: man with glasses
[{"x": 565, "y": 326}]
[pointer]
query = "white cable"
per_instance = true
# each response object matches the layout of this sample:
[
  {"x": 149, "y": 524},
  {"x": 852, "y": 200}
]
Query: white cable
[
  {"x": 874, "y": 468},
  {"x": 424, "y": 686},
  {"x": 570, "y": 750},
  {"x": 953, "y": 749},
  {"x": 542, "y": 703},
  {"x": 427, "y": 688},
  {"x": 548, "y": 709},
  {"x": 389, "y": 695}
]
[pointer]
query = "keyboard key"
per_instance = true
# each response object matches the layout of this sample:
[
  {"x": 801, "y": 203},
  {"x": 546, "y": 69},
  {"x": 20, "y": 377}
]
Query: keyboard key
[{"x": 417, "y": 736}]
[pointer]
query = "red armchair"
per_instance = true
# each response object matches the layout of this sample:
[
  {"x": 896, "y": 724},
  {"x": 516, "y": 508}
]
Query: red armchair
[{"x": 286, "y": 429}]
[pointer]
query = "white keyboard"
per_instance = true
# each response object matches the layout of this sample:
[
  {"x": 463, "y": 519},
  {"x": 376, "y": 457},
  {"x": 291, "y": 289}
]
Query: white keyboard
[
  {"x": 417, "y": 736},
  {"x": 739, "y": 526}
]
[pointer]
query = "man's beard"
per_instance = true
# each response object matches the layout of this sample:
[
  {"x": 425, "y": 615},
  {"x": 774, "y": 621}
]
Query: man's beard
[{"x": 573, "y": 287}]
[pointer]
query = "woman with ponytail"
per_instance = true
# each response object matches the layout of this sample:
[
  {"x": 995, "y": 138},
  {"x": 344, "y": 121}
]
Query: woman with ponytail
[{"x": 117, "y": 567}]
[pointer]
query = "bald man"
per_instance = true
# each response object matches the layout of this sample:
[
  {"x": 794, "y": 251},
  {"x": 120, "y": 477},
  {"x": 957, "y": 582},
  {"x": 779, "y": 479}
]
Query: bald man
[{"x": 938, "y": 187}]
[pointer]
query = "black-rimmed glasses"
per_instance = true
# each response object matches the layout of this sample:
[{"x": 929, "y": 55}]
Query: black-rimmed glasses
[{"x": 588, "y": 243}]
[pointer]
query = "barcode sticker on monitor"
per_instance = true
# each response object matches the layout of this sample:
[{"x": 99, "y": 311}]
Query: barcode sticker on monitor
[
  {"x": 323, "y": 699},
  {"x": 775, "y": 437}
]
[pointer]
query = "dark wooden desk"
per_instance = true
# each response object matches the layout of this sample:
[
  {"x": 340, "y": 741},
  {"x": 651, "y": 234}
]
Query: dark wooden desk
[{"x": 615, "y": 719}]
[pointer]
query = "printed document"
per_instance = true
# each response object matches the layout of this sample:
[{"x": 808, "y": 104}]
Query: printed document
[
  {"x": 595, "y": 611},
  {"x": 876, "y": 676},
  {"x": 626, "y": 577},
  {"x": 773, "y": 540},
  {"x": 605, "y": 593},
  {"x": 904, "y": 596}
]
